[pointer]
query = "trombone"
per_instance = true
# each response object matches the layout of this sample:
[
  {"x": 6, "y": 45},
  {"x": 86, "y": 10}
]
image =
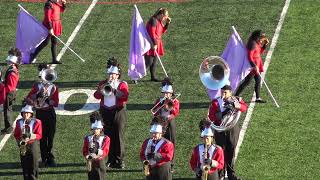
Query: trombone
[{"x": 164, "y": 101}]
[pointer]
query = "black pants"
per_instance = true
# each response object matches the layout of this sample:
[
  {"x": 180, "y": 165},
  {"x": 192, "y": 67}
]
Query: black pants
[
  {"x": 213, "y": 176},
  {"x": 98, "y": 171},
  {"x": 151, "y": 62},
  {"x": 29, "y": 162},
  {"x": 228, "y": 141},
  {"x": 162, "y": 172},
  {"x": 7, "y": 109},
  {"x": 170, "y": 134},
  {"x": 246, "y": 82},
  {"x": 114, "y": 124},
  {"x": 48, "y": 120},
  {"x": 44, "y": 44}
]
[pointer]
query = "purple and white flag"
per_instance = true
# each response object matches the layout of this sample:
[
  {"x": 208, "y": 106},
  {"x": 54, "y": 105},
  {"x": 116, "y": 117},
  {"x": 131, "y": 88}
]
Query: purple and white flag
[
  {"x": 30, "y": 33},
  {"x": 140, "y": 43},
  {"x": 235, "y": 54}
]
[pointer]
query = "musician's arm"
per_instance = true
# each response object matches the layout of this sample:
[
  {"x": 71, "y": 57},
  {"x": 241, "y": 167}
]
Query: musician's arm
[
  {"x": 97, "y": 94},
  {"x": 194, "y": 158},
  {"x": 17, "y": 132},
  {"x": 176, "y": 110},
  {"x": 85, "y": 149},
  {"x": 37, "y": 132},
  {"x": 11, "y": 82},
  {"x": 167, "y": 154},
  {"x": 54, "y": 101},
  {"x": 213, "y": 112},
  {"x": 32, "y": 93},
  {"x": 219, "y": 157},
  {"x": 104, "y": 151},
  {"x": 243, "y": 106},
  {"x": 122, "y": 92},
  {"x": 142, "y": 150}
]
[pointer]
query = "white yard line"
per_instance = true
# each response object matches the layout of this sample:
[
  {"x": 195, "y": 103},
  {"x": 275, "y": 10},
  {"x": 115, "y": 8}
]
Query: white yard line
[
  {"x": 61, "y": 53},
  {"x": 266, "y": 65}
]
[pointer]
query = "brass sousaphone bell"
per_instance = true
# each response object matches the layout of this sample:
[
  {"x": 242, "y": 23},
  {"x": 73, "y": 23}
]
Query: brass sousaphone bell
[{"x": 214, "y": 72}]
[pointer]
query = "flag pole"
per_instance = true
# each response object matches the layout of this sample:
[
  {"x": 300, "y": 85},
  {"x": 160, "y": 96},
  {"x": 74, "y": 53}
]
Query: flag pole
[
  {"x": 264, "y": 82},
  {"x": 165, "y": 72}
]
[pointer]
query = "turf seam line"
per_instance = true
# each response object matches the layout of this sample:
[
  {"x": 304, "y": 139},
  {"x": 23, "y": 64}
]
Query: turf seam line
[
  {"x": 265, "y": 66},
  {"x": 61, "y": 53}
]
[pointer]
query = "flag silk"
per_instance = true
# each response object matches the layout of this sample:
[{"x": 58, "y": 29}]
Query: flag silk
[
  {"x": 235, "y": 55},
  {"x": 139, "y": 45},
  {"x": 30, "y": 33}
]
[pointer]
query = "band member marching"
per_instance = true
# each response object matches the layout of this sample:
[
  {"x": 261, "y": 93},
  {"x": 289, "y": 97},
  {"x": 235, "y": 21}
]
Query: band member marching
[
  {"x": 168, "y": 108},
  {"x": 27, "y": 132},
  {"x": 52, "y": 21},
  {"x": 157, "y": 152},
  {"x": 113, "y": 94},
  {"x": 207, "y": 158},
  {"x": 9, "y": 86},
  {"x": 44, "y": 96},
  {"x": 228, "y": 139},
  {"x": 95, "y": 149}
]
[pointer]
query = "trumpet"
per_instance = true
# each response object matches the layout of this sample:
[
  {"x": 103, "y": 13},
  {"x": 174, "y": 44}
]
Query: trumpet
[
  {"x": 106, "y": 89},
  {"x": 146, "y": 167},
  {"x": 163, "y": 102}
]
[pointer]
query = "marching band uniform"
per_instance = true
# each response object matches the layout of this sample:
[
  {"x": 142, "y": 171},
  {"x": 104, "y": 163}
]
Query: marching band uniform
[
  {"x": 30, "y": 131},
  {"x": 46, "y": 113},
  {"x": 254, "y": 55},
  {"x": 52, "y": 20},
  {"x": 159, "y": 153},
  {"x": 98, "y": 148},
  {"x": 113, "y": 112},
  {"x": 214, "y": 152},
  {"x": 155, "y": 29},
  {"x": 8, "y": 90},
  {"x": 227, "y": 139},
  {"x": 169, "y": 115}
]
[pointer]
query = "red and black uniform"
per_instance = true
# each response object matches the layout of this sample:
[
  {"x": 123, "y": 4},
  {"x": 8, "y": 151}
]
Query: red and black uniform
[
  {"x": 29, "y": 161},
  {"x": 46, "y": 113},
  {"x": 51, "y": 20},
  {"x": 254, "y": 56},
  {"x": 197, "y": 160},
  {"x": 169, "y": 116},
  {"x": 8, "y": 92},
  {"x": 155, "y": 29},
  {"x": 100, "y": 147},
  {"x": 159, "y": 154},
  {"x": 227, "y": 139},
  {"x": 113, "y": 112}
]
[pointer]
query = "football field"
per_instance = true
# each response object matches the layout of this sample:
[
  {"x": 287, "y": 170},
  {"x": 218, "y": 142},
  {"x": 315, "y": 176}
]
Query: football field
[{"x": 280, "y": 143}]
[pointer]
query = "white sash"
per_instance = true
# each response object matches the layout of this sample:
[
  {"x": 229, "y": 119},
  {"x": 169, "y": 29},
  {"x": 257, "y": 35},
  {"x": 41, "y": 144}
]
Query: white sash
[
  {"x": 148, "y": 149},
  {"x": 221, "y": 104},
  {"x": 99, "y": 140},
  {"x": 50, "y": 90},
  {"x": 110, "y": 101},
  {"x": 31, "y": 124},
  {"x": 201, "y": 152}
]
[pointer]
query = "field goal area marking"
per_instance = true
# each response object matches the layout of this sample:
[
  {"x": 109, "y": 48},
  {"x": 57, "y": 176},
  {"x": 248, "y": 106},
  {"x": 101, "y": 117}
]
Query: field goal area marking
[
  {"x": 61, "y": 53},
  {"x": 265, "y": 66}
]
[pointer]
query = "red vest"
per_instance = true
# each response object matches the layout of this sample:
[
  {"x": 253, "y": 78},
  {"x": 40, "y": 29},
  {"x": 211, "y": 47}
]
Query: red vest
[
  {"x": 155, "y": 33},
  {"x": 52, "y": 19}
]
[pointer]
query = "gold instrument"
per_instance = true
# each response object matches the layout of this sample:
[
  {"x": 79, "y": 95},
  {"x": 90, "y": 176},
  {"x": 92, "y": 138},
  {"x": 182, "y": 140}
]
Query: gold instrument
[
  {"x": 146, "y": 167},
  {"x": 92, "y": 149},
  {"x": 164, "y": 102},
  {"x": 23, "y": 142},
  {"x": 214, "y": 72},
  {"x": 205, "y": 168}
]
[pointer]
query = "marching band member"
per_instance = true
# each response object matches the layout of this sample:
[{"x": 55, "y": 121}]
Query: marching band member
[
  {"x": 27, "y": 132},
  {"x": 113, "y": 94},
  {"x": 227, "y": 139},
  {"x": 169, "y": 111},
  {"x": 207, "y": 158},
  {"x": 9, "y": 86},
  {"x": 157, "y": 152},
  {"x": 156, "y": 26},
  {"x": 44, "y": 96},
  {"x": 256, "y": 45},
  {"x": 95, "y": 149},
  {"x": 52, "y": 21}
]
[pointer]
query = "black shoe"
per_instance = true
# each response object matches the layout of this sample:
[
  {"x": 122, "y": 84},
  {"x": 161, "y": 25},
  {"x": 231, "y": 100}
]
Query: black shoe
[
  {"x": 32, "y": 59},
  {"x": 51, "y": 163},
  {"x": 7, "y": 130},
  {"x": 42, "y": 164},
  {"x": 155, "y": 80},
  {"x": 56, "y": 62},
  {"x": 117, "y": 165},
  {"x": 134, "y": 82},
  {"x": 259, "y": 100}
]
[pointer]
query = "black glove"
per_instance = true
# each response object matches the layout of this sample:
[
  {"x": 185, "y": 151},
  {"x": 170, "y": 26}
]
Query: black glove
[
  {"x": 26, "y": 135},
  {"x": 150, "y": 155},
  {"x": 198, "y": 172},
  {"x": 208, "y": 162}
]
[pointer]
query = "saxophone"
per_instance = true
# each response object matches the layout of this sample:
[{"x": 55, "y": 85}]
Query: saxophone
[
  {"x": 92, "y": 148},
  {"x": 146, "y": 167},
  {"x": 23, "y": 142},
  {"x": 205, "y": 168}
]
